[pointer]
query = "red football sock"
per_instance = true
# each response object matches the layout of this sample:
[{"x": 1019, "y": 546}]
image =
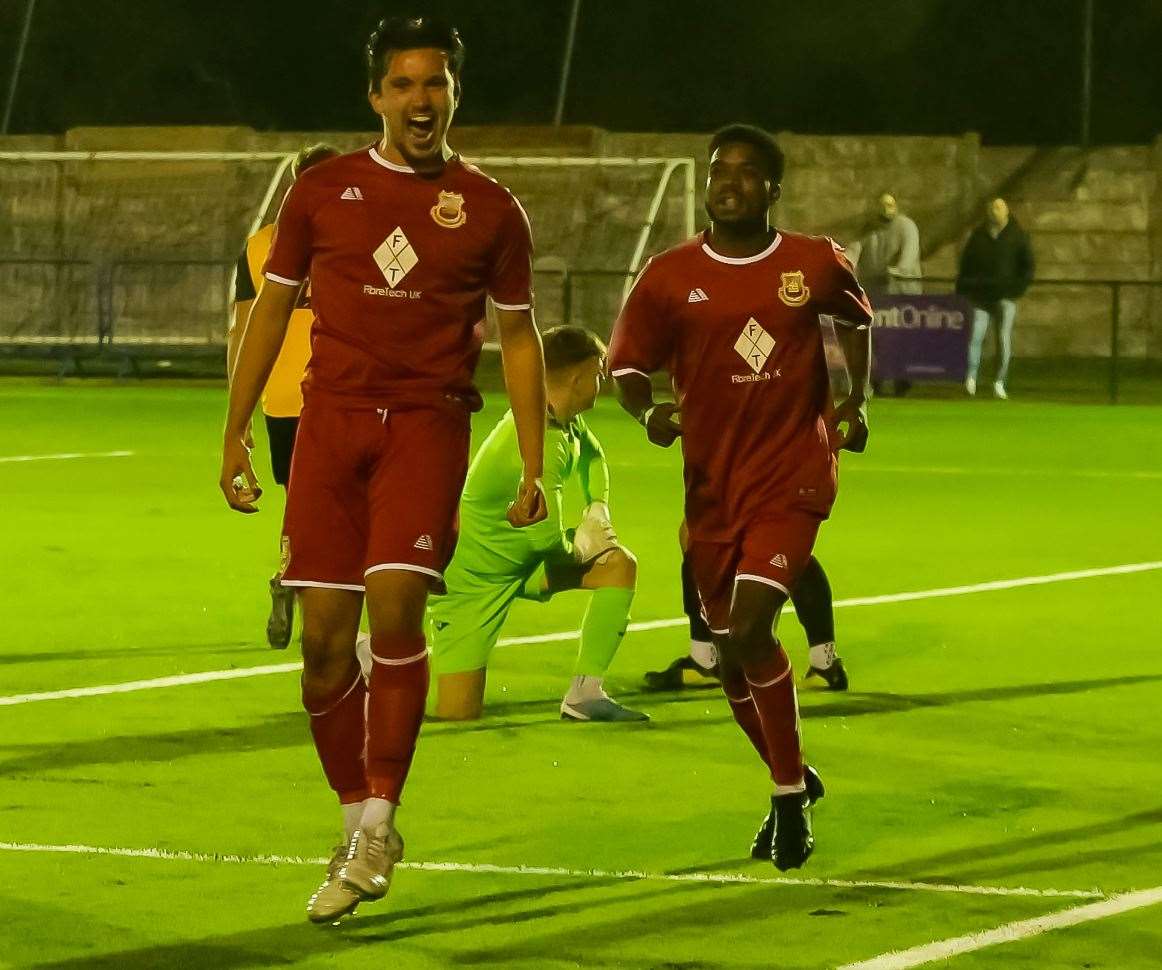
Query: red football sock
[
  {"x": 772, "y": 686},
  {"x": 339, "y": 732},
  {"x": 746, "y": 715},
  {"x": 399, "y": 691}
]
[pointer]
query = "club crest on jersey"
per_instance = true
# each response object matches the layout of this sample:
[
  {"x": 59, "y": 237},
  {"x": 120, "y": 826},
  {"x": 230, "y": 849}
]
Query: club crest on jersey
[
  {"x": 794, "y": 292},
  {"x": 449, "y": 210}
]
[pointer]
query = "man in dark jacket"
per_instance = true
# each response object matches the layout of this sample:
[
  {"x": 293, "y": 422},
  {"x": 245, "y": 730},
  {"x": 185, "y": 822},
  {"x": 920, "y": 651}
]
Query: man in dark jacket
[{"x": 996, "y": 268}]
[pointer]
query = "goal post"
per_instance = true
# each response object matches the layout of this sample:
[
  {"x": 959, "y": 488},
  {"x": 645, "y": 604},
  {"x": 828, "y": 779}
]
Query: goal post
[{"x": 138, "y": 248}]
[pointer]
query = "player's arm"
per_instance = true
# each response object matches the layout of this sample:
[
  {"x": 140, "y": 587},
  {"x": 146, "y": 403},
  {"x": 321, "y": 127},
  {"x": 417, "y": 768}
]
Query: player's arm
[
  {"x": 243, "y": 302},
  {"x": 642, "y": 343},
  {"x": 595, "y": 535},
  {"x": 261, "y": 343},
  {"x": 855, "y": 342},
  {"x": 240, "y": 313},
  {"x": 592, "y": 468},
  {"x": 635, "y": 391},
  {"x": 524, "y": 379},
  {"x": 245, "y": 293},
  {"x": 846, "y": 301}
]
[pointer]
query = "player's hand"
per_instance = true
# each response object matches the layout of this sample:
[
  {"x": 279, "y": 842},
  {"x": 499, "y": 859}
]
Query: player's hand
[
  {"x": 663, "y": 424},
  {"x": 530, "y": 506},
  {"x": 849, "y": 429},
  {"x": 594, "y": 537},
  {"x": 238, "y": 482}
]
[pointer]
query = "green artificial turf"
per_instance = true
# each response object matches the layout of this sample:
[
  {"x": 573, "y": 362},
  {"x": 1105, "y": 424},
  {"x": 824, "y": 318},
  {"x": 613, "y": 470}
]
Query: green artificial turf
[{"x": 1005, "y": 738}]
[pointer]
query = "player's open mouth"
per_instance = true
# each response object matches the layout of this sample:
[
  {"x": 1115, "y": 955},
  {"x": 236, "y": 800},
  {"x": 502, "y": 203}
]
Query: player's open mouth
[{"x": 421, "y": 127}]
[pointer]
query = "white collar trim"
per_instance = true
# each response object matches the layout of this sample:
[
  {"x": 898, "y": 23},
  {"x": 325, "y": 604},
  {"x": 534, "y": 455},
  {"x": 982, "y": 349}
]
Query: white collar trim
[
  {"x": 742, "y": 260},
  {"x": 376, "y": 157}
]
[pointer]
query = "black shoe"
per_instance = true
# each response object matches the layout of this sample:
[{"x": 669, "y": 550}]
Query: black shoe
[
  {"x": 282, "y": 615},
  {"x": 761, "y": 848},
  {"x": 834, "y": 676},
  {"x": 682, "y": 673}
]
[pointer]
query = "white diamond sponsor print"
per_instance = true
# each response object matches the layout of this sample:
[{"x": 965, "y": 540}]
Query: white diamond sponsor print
[
  {"x": 395, "y": 257},
  {"x": 754, "y": 345}
]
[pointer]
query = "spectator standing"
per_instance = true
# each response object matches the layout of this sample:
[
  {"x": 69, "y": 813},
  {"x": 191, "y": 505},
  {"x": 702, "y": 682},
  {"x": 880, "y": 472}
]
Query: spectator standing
[
  {"x": 996, "y": 268},
  {"x": 887, "y": 255}
]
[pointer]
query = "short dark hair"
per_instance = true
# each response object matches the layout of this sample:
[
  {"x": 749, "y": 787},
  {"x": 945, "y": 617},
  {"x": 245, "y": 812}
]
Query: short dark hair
[
  {"x": 757, "y": 138},
  {"x": 409, "y": 33},
  {"x": 566, "y": 346},
  {"x": 312, "y": 155}
]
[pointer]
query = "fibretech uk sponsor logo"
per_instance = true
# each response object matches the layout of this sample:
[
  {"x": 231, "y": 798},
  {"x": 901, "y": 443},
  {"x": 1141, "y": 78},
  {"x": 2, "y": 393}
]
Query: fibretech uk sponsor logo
[
  {"x": 752, "y": 378},
  {"x": 393, "y": 294}
]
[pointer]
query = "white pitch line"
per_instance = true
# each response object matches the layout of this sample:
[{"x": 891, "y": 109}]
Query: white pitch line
[
  {"x": 210, "y": 676},
  {"x": 1010, "y": 932},
  {"x": 855, "y": 466},
  {"x": 627, "y": 875},
  {"x": 65, "y": 455},
  {"x": 178, "y": 680}
]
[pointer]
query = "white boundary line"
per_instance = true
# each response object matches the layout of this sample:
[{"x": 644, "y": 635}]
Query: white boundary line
[
  {"x": 853, "y": 466},
  {"x": 209, "y": 676},
  {"x": 629, "y": 875},
  {"x": 1010, "y": 932},
  {"x": 66, "y": 455}
]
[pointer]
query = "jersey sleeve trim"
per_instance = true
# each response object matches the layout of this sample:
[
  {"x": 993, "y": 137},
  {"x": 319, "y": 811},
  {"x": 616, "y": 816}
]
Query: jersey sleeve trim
[
  {"x": 275, "y": 278},
  {"x": 512, "y": 306},
  {"x": 622, "y": 371}
]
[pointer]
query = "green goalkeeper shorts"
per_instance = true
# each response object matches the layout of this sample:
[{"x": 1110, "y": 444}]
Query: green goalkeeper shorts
[{"x": 465, "y": 623}]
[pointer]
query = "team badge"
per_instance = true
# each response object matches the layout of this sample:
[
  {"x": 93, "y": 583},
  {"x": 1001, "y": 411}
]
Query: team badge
[
  {"x": 794, "y": 292},
  {"x": 284, "y": 557},
  {"x": 449, "y": 210}
]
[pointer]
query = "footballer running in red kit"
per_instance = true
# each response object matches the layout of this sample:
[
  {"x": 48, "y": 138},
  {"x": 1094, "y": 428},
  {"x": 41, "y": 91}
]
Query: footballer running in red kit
[
  {"x": 403, "y": 243},
  {"x": 733, "y": 316}
]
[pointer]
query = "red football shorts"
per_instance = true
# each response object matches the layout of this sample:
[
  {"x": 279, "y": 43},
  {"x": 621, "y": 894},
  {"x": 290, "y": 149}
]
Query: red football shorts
[
  {"x": 372, "y": 490},
  {"x": 773, "y": 551}
]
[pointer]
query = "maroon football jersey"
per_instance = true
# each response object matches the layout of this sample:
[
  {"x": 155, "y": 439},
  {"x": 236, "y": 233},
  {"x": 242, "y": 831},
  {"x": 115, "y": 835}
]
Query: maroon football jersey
[
  {"x": 400, "y": 267},
  {"x": 741, "y": 339}
]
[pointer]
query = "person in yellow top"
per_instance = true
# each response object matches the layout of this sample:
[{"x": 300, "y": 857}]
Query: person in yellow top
[{"x": 282, "y": 398}]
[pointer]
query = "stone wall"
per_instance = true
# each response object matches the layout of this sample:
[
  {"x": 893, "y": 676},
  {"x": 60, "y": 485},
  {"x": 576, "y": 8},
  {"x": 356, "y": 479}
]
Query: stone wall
[{"x": 1092, "y": 216}]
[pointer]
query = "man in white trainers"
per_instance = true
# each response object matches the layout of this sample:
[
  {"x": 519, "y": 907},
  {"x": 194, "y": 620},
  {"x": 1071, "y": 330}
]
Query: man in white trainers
[{"x": 996, "y": 268}]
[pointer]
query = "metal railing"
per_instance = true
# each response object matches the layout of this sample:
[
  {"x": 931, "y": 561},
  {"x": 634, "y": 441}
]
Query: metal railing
[
  {"x": 1116, "y": 290},
  {"x": 85, "y": 306}
]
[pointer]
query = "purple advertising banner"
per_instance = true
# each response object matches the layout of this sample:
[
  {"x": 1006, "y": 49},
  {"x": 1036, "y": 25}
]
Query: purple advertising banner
[{"x": 920, "y": 338}]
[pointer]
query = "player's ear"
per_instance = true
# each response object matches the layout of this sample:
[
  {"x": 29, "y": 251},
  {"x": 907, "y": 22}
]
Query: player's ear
[
  {"x": 776, "y": 193},
  {"x": 457, "y": 92},
  {"x": 375, "y": 99}
]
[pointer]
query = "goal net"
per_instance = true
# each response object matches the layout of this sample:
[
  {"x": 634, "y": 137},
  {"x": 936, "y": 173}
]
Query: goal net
[{"x": 137, "y": 249}]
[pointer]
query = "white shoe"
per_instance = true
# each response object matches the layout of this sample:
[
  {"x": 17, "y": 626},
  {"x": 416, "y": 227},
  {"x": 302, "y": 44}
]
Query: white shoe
[
  {"x": 970, "y": 386},
  {"x": 999, "y": 391}
]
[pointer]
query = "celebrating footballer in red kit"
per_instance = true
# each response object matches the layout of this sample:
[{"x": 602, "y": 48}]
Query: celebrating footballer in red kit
[
  {"x": 403, "y": 243},
  {"x": 733, "y": 316}
]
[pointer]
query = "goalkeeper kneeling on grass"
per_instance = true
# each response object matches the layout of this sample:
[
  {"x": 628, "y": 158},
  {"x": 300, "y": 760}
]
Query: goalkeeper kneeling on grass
[{"x": 495, "y": 564}]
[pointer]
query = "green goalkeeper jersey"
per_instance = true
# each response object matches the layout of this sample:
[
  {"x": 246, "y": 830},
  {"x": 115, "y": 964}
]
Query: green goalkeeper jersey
[{"x": 488, "y": 543}]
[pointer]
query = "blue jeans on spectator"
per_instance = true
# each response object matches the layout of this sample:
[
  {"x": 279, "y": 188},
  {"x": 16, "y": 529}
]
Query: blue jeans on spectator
[{"x": 1001, "y": 314}]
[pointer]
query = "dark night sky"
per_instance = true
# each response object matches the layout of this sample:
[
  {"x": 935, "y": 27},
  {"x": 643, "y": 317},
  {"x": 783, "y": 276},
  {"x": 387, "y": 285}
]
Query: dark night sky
[{"x": 1007, "y": 68}]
